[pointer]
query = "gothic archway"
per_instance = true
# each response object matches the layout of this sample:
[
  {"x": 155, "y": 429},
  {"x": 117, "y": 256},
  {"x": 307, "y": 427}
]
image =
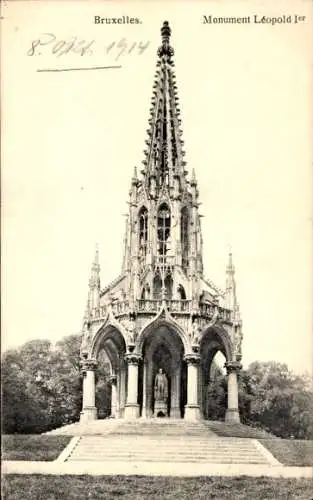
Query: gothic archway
[
  {"x": 162, "y": 348},
  {"x": 215, "y": 342},
  {"x": 110, "y": 340}
]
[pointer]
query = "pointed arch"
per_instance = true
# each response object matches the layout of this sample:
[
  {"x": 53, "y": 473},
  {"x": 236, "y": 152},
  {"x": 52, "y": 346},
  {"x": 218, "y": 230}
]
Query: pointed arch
[
  {"x": 143, "y": 230},
  {"x": 112, "y": 339},
  {"x": 163, "y": 229},
  {"x": 157, "y": 286},
  {"x": 160, "y": 322},
  {"x": 184, "y": 235},
  {"x": 216, "y": 337},
  {"x": 181, "y": 292}
]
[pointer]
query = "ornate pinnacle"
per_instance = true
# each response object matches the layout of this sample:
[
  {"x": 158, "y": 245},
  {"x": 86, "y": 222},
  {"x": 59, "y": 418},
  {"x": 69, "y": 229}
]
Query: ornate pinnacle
[
  {"x": 193, "y": 181},
  {"x": 96, "y": 261},
  {"x": 134, "y": 177},
  {"x": 165, "y": 33},
  {"x": 165, "y": 48},
  {"x": 95, "y": 270},
  {"x": 230, "y": 267}
]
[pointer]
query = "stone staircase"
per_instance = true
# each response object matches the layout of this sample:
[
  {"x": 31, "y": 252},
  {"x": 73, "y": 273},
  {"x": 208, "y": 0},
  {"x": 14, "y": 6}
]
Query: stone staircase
[
  {"x": 164, "y": 441},
  {"x": 168, "y": 449}
]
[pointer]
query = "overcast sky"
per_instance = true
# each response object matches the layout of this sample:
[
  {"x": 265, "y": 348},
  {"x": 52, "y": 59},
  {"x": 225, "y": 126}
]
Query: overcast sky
[{"x": 71, "y": 140}]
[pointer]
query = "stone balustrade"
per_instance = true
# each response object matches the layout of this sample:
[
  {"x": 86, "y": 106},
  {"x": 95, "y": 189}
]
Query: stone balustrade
[
  {"x": 153, "y": 306},
  {"x": 164, "y": 260},
  {"x": 209, "y": 310},
  {"x": 149, "y": 305}
]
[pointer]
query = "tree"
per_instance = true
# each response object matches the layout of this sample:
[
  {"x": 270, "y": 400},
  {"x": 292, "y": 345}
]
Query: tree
[
  {"x": 271, "y": 397},
  {"x": 279, "y": 400},
  {"x": 42, "y": 385},
  {"x": 25, "y": 405}
]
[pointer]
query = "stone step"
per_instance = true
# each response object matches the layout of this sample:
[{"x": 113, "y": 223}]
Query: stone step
[
  {"x": 211, "y": 460},
  {"x": 169, "y": 452},
  {"x": 166, "y": 440},
  {"x": 164, "y": 448},
  {"x": 219, "y": 457},
  {"x": 162, "y": 452},
  {"x": 176, "y": 446},
  {"x": 170, "y": 456}
]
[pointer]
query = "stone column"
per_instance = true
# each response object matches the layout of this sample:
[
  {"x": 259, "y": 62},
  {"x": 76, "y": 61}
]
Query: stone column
[
  {"x": 200, "y": 391},
  {"x": 113, "y": 381},
  {"x": 149, "y": 388},
  {"x": 132, "y": 406},
  {"x": 122, "y": 389},
  {"x": 232, "y": 412},
  {"x": 175, "y": 393},
  {"x": 192, "y": 410},
  {"x": 118, "y": 392},
  {"x": 89, "y": 410},
  {"x": 144, "y": 391}
]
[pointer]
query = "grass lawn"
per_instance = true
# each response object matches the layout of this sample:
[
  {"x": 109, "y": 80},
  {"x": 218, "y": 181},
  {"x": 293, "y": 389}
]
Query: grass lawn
[
  {"x": 40, "y": 487},
  {"x": 291, "y": 451},
  {"x": 32, "y": 447}
]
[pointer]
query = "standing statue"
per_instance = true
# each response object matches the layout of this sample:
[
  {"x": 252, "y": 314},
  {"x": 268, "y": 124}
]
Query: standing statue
[
  {"x": 85, "y": 338},
  {"x": 196, "y": 333},
  {"x": 130, "y": 328},
  {"x": 160, "y": 386}
]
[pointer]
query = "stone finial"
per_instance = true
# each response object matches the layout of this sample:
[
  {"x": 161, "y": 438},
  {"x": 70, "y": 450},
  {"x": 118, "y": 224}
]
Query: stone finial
[
  {"x": 166, "y": 33},
  {"x": 134, "y": 177},
  {"x": 165, "y": 48},
  {"x": 95, "y": 269},
  {"x": 193, "y": 181}
]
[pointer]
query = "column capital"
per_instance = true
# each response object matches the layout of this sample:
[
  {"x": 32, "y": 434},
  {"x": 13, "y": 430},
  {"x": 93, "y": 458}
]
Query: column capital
[
  {"x": 233, "y": 366},
  {"x": 132, "y": 359},
  {"x": 192, "y": 359},
  {"x": 113, "y": 379},
  {"x": 88, "y": 364}
]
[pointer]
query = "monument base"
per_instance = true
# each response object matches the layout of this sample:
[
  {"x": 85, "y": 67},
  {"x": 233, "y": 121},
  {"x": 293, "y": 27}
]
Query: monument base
[
  {"x": 160, "y": 409},
  {"x": 232, "y": 416},
  {"x": 88, "y": 413},
  {"x": 131, "y": 411},
  {"x": 192, "y": 412}
]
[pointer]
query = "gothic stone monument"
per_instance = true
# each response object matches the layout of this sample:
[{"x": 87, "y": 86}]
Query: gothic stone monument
[{"x": 161, "y": 312}]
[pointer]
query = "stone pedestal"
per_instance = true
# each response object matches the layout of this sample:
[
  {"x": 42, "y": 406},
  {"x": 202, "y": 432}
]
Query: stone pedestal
[
  {"x": 132, "y": 406},
  {"x": 192, "y": 409},
  {"x": 232, "y": 412},
  {"x": 89, "y": 410},
  {"x": 160, "y": 407}
]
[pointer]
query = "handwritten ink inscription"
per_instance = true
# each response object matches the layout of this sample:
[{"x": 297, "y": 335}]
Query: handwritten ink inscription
[{"x": 47, "y": 43}]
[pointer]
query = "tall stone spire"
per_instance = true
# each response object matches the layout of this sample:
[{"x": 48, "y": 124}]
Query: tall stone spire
[
  {"x": 163, "y": 244},
  {"x": 94, "y": 283},
  {"x": 231, "y": 294},
  {"x": 164, "y": 162}
]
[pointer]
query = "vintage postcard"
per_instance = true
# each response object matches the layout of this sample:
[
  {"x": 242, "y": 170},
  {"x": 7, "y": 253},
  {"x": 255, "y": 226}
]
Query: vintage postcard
[{"x": 157, "y": 243}]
